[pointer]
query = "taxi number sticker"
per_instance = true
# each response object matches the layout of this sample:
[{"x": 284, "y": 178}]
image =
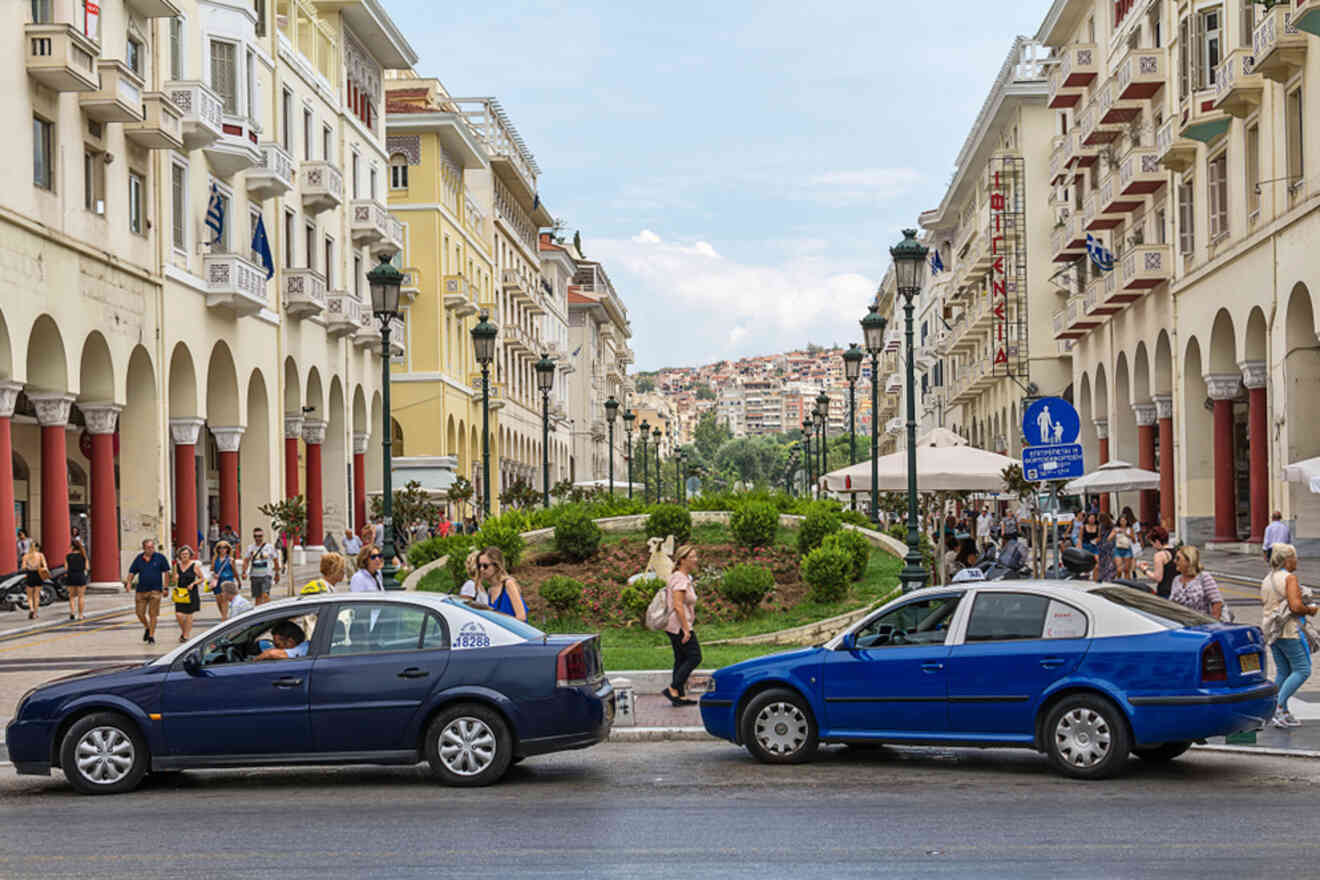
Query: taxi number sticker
[{"x": 472, "y": 635}]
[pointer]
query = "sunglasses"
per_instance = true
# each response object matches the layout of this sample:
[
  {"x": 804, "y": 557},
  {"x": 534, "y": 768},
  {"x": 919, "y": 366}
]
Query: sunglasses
[
  {"x": 485, "y": 565},
  {"x": 376, "y": 556}
]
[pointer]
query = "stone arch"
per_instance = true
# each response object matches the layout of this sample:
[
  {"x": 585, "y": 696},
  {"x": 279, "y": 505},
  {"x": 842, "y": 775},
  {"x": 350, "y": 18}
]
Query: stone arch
[
  {"x": 1087, "y": 437},
  {"x": 1196, "y": 522},
  {"x": 292, "y": 387},
  {"x": 1101, "y": 392},
  {"x": 255, "y": 466},
  {"x": 314, "y": 399},
  {"x": 374, "y": 447},
  {"x": 47, "y": 362},
  {"x": 1255, "y": 337},
  {"x": 96, "y": 370},
  {"x": 1142, "y": 390},
  {"x": 183, "y": 401},
  {"x": 1301, "y": 379},
  {"x": 360, "y": 424},
  {"x": 397, "y": 449},
  {"x": 222, "y": 400},
  {"x": 1222, "y": 356},
  {"x": 6, "y": 349},
  {"x": 140, "y": 457},
  {"x": 336, "y": 461},
  {"x": 1123, "y": 428},
  {"x": 1163, "y": 364}
]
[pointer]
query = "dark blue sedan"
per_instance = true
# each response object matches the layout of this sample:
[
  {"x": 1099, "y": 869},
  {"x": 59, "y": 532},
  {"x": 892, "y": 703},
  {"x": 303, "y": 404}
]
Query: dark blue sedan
[{"x": 329, "y": 679}]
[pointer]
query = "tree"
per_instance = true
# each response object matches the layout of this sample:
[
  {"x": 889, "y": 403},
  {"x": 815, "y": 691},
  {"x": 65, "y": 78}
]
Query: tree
[
  {"x": 755, "y": 460},
  {"x": 645, "y": 383},
  {"x": 704, "y": 392},
  {"x": 461, "y": 492},
  {"x": 410, "y": 504},
  {"x": 709, "y": 435},
  {"x": 520, "y": 495},
  {"x": 287, "y": 517}
]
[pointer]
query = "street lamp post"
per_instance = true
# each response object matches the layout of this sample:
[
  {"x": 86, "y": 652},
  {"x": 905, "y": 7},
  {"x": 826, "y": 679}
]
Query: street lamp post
[
  {"x": 909, "y": 261},
  {"x": 823, "y": 413},
  {"x": 807, "y": 460},
  {"x": 646, "y": 474},
  {"x": 545, "y": 381},
  {"x": 483, "y": 348},
  {"x": 852, "y": 369},
  {"x": 656, "y": 434},
  {"x": 611, "y": 410},
  {"x": 385, "y": 281},
  {"x": 678, "y": 477},
  {"x": 873, "y": 335},
  {"x": 628, "y": 419}
]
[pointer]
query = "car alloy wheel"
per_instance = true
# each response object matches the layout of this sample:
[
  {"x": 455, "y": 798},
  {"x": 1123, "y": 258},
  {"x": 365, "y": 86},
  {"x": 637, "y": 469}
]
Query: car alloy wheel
[
  {"x": 781, "y": 728},
  {"x": 467, "y": 746},
  {"x": 104, "y": 755},
  {"x": 1083, "y": 737},
  {"x": 1086, "y": 736},
  {"x": 778, "y": 728}
]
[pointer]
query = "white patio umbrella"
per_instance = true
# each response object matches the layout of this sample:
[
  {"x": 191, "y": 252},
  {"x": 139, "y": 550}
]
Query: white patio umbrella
[
  {"x": 605, "y": 484},
  {"x": 939, "y": 469},
  {"x": 1306, "y": 471},
  {"x": 1114, "y": 476}
]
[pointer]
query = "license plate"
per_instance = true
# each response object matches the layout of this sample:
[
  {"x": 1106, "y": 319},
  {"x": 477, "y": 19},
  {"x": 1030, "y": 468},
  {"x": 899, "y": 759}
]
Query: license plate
[{"x": 1249, "y": 663}]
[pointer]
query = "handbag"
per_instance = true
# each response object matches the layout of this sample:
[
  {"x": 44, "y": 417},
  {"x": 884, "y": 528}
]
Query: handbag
[{"x": 44, "y": 572}]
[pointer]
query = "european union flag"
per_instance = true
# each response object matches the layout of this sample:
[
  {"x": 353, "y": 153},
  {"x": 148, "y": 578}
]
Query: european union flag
[
  {"x": 1099, "y": 254},
  {"x": 261, "y": 247},
  {"x": 215, "y": 214}
]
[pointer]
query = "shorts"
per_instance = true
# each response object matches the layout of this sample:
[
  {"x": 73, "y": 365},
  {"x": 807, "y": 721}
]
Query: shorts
[
  {"x": 1122, "y": 552},
  {"x": 260, "y": 586}
]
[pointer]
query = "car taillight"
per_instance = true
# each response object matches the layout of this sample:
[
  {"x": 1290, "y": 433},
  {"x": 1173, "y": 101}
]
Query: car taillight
[
  {"x": 571, "y": 668},
  {"x": 1213, "y": 666}
]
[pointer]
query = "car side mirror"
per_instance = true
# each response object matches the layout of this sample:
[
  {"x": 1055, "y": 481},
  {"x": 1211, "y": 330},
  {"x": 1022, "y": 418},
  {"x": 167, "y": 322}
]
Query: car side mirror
[
  {"x": 192, "y": 663},
  {"x": 849, "y": 642}
]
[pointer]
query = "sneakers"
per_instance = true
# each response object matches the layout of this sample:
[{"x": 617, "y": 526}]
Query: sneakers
[
  {"x": 1284, "y": 719},
  {"x": 146, "y": 634}
]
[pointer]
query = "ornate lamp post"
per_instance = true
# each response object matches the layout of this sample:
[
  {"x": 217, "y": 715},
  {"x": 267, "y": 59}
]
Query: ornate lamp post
[
  {"x": 545, "y": 381},
  {"x": 909, "y": 262},
  {"x": 611, "y": 410},
  {"x": 646, "y": 474},
  {"x": 852, "y": 369},
  {"x": 817, "y": 421},
  {"x": 792, "y": 466},
  {"x": 678, "y": 478},
  {"x": 807, "y": 460},
  {"x": 385, "y": 281},
  {"x": 483, "y": 348},
  {"x": 656, "y": 434},
  {"x": 873, "y": 334},
  {"x": 823, "y": 408},
  {"x": 628, "y": 419}
]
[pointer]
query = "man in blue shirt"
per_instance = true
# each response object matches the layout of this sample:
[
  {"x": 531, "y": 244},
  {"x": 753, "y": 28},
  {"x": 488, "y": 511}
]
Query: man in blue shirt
[
  {"x": 290, "y": 642},
  {"x": 147, "y": 574},
  {"x": 1277, "y": 532}
]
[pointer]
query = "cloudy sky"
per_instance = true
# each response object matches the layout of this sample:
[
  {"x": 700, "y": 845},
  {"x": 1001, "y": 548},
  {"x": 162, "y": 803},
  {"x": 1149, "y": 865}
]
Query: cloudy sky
[{"x": 741, "y": 168}]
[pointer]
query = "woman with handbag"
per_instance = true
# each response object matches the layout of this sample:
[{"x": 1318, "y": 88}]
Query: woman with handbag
[
  {"x": 1193, "y": 586},
  {"x": 75, "y": 579},
  {"x": 223, "y": 569},
  {"x": 1124, "y": 538},
  {"x": 35, "y": 573},
  {"x": 1283, "y": 621},
  {"x": 682, "y": 617},
  {"x": 185, "y": 590}
]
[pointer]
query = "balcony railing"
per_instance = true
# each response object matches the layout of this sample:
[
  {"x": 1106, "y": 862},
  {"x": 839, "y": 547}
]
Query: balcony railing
[
  {"x": 458, "y": 294},
  {"x": 233, "y": 284},
  {"x": 372, "y": 225},
  {"x": 1076, "y": 69},
  {"x": 1140, "y": 172},
  {"x": 321, "y": 184},
  {"x": 1279, "y": 47},
  {"x": 304, "y": 293},
  {"x": 894, "y": 383},
  {"x": 343, "y": 313},
  {"x": 1144, "y": 266},
  {"x": 161, "y": 127},
  {"x": 1175, "y": 152},
  {"x": 274, "y": 176},
  {"x": 119, "y": 98},
  {"x": 60, "y": 56},
  {"x": 1059, "y": 159},
  {"x": 1114, "y": 113},
  {"x": 1141, "y": 73},
  {"x": 236, "y": 149},
  {"x": 202, "y": 119},
  {"x": 1080, "y": 154},
  {"x": 398, "y": 338},
  {"x": 1102, "y": 210},
  {"x": 1239, "y": 87},
  {"x": 1068, "y": 241}
]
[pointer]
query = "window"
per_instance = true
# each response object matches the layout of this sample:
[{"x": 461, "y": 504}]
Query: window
[
  {"x": 41, "y": 11},
  {"x": 327, "y": 143},
  {"x": 133, "y": 55},
  {"x": 357, "y": 160},
  {"x": 329, "y": 263},
  {"x": 310, "y": 245},
  {"x": 1217, "y": 178},
  {"x": 373, "y": 181},
  {"x": 224, "y": 74},
  {"x": 137, "y": 194},
  {"x": 1167, "y": 614},
  {"x": 924, "y": 622},
  {"x": 1186, "y": 213},
  {"x": 1252, "y": 143},
  {"x": 43, "y": 134},
  {"x": 179, "y": 206},
  {"x": 94, "y": 181},
  {"x": 90, "y": 15},
  {"x": 252, "y": 85},
  {"x": 357, "y": 277},
  {"x": 243, "y": 643},
  {"x": 290, "y": 230},
  {"x": 1155, "y": 28},
  {"x": 398, "y": 172},
  {"x": 436, "y": 635},
  {"x": 307, "y": 134},
  {"x": 176, "y": 48},
  {"x": 1293, "y": 121},
  {"x": 286, "y": 121},
  {"x": 368, "y": 628},
  {"x": 1185, "y": 56},
  {"x": 1208, "y": 45},
  {"x": 1161, "y": 227},
  {"x": 254, "y": 217},
  {"x": 1001, "y": 617}
]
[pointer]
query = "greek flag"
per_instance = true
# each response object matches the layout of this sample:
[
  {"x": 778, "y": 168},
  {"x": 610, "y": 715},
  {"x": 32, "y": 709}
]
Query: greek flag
[
  {"x": 1099, "y": 254},
  {"x": 215, "y": 215},
  {"x": 936, "y": 263},
  {"x": 261, "y": 247}
]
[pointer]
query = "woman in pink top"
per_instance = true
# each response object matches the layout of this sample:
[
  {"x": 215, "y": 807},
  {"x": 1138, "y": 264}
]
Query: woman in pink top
[{"x": 682, "y": 615}]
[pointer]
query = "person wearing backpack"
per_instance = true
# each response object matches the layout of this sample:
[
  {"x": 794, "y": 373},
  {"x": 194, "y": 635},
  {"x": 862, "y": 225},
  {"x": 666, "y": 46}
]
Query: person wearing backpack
[
  {"x": 261, "y": 567},
  {"x": 682, "y": 601}
]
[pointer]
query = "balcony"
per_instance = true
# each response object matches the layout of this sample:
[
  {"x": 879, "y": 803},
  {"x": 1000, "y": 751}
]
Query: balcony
[
  {"x": 161, "y": 126},
  {"x": 1201, "y": 120},
  {"x": 202, "y": 120},
  {"x": 893, "y": 339},
  {"x": 1144, "y": 266},
  {"x": 233, "y": 284},
  {"x": 1068, "y": 241},
  {"x": 1175, "y": 153},
  {"x": 274, "y": 176},
  {"x": 1095, "y": 216},
  {"x": 398, "y": 338},
  {"x": 1110, "y": 200},
  {"x": 1076, "y": 69},
  {"x": 1061, "y": 322},
  {"x": 1239, "y": 88},
  {"x": 1091, "y": 127},
  {"x": 512, "y": 282},
  {"x": 322, "y": 186},
  {"x": 412, "y": 285},
  {"x": 119, "y": 98},
  {"x": 372, "y": 225},
  {"x": 1115, "y": 113},
  {"x": 1279, "y": 47},
  {"x": 1081, "y": 155},
  {"x": 1140, "y": 173},
  {"x": 1306, "y": 16},
  {"x": 1141, "y": 74},
  {"x": 304, "y": 293},
  {"x": 1059, "y": 159},
  {"x": 343, "y": 314},
  {"x": 894, "y": 425},
  {"x": 457, "y": 294},
  {"x": 61, "y": 57},
  {"x": 894, "y": 383},
  {"x": 236, "y": 149},
  {"x": 1112, "y": 293},
  {"x": 367, "y": 334},
  {"x": 1096, "y": 306}
]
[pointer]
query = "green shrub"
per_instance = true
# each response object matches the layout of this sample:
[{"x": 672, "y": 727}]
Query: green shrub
[
  {"x": 821, "y": 520},
  {"x": 459, "y": 548},
  {"x": 576, "y": 536},
  {"x": 432, "y": 549},
  {"x": 437, "y": 580},
  {"x": 856, "y": 518},
  {"x": 503, "y": 532},
  {"x": 826, "y": 571},
  {"x": 635, "y": 597},
  {"x": 857, "y": 548},
  {"x": 669, "y": 519},
  {"x": 754, "y": 523},
  {"x": 561, "y": 593},
  {"x": 746, "y": 586}
]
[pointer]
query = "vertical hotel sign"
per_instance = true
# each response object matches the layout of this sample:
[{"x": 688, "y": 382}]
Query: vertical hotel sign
[{"x": 1008, "y": 263}]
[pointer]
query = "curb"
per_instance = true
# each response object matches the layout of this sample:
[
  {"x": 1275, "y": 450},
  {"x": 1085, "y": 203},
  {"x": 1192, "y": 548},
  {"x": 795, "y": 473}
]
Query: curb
[
  {"x": 659, "y": 734},
  {"x": 1259, "y": 750},
  {"x": 54, "y": 624}
]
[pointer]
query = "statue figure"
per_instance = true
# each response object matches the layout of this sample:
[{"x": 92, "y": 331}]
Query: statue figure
[{"x": 661, "y": 563}]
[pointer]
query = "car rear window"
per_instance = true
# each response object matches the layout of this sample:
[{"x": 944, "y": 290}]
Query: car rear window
[
  {"x": 512, "y": 624},
  {"x": 1162, "y": 611}
]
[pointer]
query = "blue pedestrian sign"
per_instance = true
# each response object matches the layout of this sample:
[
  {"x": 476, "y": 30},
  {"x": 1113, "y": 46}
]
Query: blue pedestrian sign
[
  {"x": 1062, "y": 462},
  {"x": 1052, "y": 428}
]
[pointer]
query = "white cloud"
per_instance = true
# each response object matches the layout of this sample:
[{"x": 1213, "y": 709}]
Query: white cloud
[{"x": 646, "y": 236}]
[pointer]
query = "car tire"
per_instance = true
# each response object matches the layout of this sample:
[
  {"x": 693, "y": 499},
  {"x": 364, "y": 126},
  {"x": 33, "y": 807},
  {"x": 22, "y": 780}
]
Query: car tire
[
  {"x": 778, "y": 727},
  {"x": 1086, "y": 736},
  {"x": 104, "y": 753},
  {"x": 469, "y": 745},
  {"x": 1162, "y": 754}
]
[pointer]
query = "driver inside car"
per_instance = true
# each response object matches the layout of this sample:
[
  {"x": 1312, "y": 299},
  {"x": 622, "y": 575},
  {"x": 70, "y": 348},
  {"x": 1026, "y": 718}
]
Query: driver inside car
[{"x": 289, "y": 642}]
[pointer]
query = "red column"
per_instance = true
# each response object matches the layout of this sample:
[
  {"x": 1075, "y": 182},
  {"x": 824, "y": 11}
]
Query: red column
[
  {"x": 314, "y": 436},
  {"x": 1102, "y": 434},
  {"x": 185, "y": 433},
  {"x": 53, "y": 416},
  {"x": 1223, "y": 388},
  {"x": 1164, "y": 413},
  {"x": 101, "y": 420},
  {"x": 1254, "y": 375},
  {"x": 292, "y": 433},
  {"x": 360, "y": 479},
  {"x": 1145, "y": 413},
  {"x": 8, "y": 527},
  {"x": 227, "y": 442}
]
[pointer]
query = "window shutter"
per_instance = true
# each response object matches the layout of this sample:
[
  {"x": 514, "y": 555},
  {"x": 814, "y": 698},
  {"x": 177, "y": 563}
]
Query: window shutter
[
  {"x": 223, "y": 75},
  {"x": 1184, "y": 59},
  {"x": 1198, "y": 48}
]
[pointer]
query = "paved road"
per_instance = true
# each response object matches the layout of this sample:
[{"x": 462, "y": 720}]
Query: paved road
[{"x": 683, "y": 810}]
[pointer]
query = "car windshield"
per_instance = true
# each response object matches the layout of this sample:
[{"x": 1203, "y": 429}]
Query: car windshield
[
  {"x": 512, "y": 624},
  {"x": 1162, "y": 611}
]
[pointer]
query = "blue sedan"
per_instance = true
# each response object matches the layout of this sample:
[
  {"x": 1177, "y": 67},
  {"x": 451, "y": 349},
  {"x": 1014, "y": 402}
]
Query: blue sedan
[
  {"x": 1084, "y": 672},
  {"x": 355, "y": 678}
]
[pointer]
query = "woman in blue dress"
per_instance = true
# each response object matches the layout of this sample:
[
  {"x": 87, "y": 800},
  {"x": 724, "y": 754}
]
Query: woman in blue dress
[{"x": 505, "y": 594}]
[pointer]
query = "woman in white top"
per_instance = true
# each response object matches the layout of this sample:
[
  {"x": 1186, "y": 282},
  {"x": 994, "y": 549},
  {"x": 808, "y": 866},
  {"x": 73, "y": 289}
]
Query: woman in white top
[
  {"x": 367, "y": 578},
  {"x": 1281, "y": 598},
  {"x": 471, "y": 589},
  {"x": 682, "y": 616}
]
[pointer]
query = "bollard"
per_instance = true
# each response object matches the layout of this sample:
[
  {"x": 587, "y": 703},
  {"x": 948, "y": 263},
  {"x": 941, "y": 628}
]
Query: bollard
[{"x": 623, "y": 702}]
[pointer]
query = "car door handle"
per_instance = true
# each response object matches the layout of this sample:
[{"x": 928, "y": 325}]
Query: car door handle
[
  {"x": 1051, "y": 662},
  {"x": 931, "y": 667},
  {"x": 413, "y": 672},
  {"x": 287, "y": 681}
]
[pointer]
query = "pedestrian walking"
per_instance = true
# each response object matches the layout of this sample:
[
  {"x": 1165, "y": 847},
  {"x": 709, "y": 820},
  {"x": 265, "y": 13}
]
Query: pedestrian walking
[
  {"x": 35, "y": 573},
  {"x": 1105, "y": 569},
  {"x": 367, "y": 578},
  {"x": 75, "y": 579},
  {"x": 333, "y": 568},
  {"x": 352, "y": 544},
  {"x": 505, "y": 594},
  {"x": 186, "y": 590},
  {"x": 1277, "y": 532},
  {"x": 1284, "y": 613},
  {"x": 1091, "y": 534},
  {"x": 472, "y": 588},
  {"x": 1161, "y": 569},
  {"x": 682, "y": 601},
  {"x": 331, "y": 545},
  {"x": 146, "y": 579},
  {"x": 378, "y": 533},
  {"x": 1123, "y": 539},
  {"x": 22, "y": 546},
  {"x": 261, "y": 567},
  {"x": 1193, "y": 586},
  {"x": 223, "y": 569}
]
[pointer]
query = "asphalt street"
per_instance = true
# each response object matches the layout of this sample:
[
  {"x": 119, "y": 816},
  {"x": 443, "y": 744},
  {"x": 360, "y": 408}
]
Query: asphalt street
[{"x": 686, "y": 810}]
